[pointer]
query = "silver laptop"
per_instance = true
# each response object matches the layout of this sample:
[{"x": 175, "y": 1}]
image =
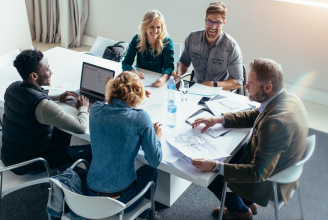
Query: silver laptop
[{"x": 93, "y": 83}]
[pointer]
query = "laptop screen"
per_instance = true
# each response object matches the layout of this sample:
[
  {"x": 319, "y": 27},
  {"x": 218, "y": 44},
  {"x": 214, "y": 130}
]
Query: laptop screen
[{"x": 95, "y": 78}]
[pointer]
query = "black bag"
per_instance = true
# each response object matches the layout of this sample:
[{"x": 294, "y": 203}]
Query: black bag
[{"x": 110, "y": 53}]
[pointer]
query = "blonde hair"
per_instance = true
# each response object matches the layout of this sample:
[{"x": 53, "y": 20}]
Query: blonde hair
[
  {"x": 146, "y": 22},
  {"x": 126, "y": 87}
]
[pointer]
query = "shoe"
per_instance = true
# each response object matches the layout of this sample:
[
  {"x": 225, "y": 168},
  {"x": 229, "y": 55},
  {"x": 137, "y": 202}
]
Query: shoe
[
  {"x": 234, "y": 215},
  {"x": 157, "y": 216},
  {"x": 253, "y": 208}
]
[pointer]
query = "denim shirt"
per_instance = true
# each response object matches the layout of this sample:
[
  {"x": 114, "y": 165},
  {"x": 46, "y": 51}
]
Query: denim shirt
[
  {"x": 219, "y": 62},
  {"x": 116, "y": 133}
]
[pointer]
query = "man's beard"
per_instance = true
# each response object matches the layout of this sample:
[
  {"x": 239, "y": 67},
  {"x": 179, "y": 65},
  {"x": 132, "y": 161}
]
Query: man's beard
[{"x": 260, "y": 96}]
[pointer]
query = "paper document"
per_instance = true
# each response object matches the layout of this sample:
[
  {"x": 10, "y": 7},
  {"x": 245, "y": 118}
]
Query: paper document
[
  {"x": 222, "y": 105},
  {"x": 57, "y": 87},
  {"x": 198, "y": 89},
  {"x": 214, "y": 131},
  {"x": 194, "y": 144},
  {"x": 217, "y": 130},
  {"x": 204, "y": 114},
  {"x": 146, "y": 82}
]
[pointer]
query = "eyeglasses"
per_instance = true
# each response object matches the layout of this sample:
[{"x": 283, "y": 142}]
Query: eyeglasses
[{"x": 217, "y": 23}]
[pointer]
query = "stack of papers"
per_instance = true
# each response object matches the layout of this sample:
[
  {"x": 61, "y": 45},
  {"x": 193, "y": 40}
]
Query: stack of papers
[
  {"x": 214, "y": 131},
  {"x": 226, "y": 105},
  {"x": 192, "y": 144},
  {"x": 198, "y": 89}
]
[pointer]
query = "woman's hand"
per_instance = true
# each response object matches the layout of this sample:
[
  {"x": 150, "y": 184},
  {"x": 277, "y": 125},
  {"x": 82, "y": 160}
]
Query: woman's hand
[
  {"x": 140, "y": 74},
  {"x": 158, "y": 130},
  {"x": 160, "y": 82}
]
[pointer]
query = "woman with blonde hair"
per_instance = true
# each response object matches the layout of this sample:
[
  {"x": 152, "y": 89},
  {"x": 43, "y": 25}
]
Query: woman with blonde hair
[
  {"x": 153, "y": 47},
  {"x": 117, "y": 130}
]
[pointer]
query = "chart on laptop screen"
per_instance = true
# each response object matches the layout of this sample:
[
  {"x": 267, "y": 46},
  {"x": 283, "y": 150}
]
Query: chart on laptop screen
[{"x": 95, "y": 78}]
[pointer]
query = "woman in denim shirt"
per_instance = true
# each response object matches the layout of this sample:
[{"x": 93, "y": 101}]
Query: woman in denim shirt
[
  {"x": 153, "y": 47},
  {"x": 117, "y": 130}
]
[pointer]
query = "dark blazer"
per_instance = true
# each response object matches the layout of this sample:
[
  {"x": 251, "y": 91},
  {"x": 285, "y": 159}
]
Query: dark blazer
[{"x": 278, "y": 141}]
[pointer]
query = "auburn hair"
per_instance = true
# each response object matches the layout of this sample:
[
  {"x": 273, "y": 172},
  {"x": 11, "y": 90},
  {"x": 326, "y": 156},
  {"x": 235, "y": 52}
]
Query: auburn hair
[{"x": 126, "y": 87}]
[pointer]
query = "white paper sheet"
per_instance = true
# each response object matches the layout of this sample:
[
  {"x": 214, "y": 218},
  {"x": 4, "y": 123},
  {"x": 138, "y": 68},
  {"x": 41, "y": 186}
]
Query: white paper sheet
[
  {"x": 57, "y": 87},
  {"x": 233, "y": 103},
  {"x": 187, "y": 168},
  {"x": 198, "y": 89},
  {"x": 194, "y": 144},
  {"x": 217, "y": 130},
  {"x": 146, "y": 82},
  {"x": 204, "y": 114},
  {"x": 217, "y": 108},
  {"x": 214, "y": 131}
]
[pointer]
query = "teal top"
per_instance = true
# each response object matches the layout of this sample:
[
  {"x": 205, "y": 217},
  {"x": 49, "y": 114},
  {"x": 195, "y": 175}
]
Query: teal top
[{"x": 163, "y": 63}]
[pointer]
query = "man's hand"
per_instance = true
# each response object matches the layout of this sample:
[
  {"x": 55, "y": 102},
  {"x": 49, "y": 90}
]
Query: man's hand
[
  {"x": 65, "y": 95},
  {"x": 147, "y": 93},
  {"x": 204, "y": 165},
  {"x": 208, "y": 83},
  {"x": 160, "y": 82},
  {"x": 140, "y": 74},
  {"x": 158, "y": 130},
  {"x": 176, "y": 74},
  {"x": 209, "y": 122},
  {"x": 82, "y": 101}
]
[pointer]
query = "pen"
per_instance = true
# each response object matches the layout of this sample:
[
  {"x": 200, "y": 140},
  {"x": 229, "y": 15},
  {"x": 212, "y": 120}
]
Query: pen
[{"x": 160, "y": 125}]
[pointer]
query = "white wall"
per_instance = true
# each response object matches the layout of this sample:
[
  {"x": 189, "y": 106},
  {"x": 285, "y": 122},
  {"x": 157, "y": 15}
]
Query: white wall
[
  {"x": 295, "y": 35},
  {"x": 14, "y": 27}
]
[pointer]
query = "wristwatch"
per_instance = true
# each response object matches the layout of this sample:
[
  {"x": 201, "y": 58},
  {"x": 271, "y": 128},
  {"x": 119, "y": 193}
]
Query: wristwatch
[
  {"x": 215, "y": 83},
  {"x": 217, "y": 167}
]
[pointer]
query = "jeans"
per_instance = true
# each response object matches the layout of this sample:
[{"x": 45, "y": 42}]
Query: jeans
[
  {"x": 60, "y": 155},
  {"x": 233, "y": 202},
  {"x": 145, "y": 174}
]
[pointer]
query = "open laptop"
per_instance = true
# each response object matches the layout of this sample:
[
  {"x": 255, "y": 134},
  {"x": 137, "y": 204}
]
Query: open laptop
[{"x": 93, "y": 83}]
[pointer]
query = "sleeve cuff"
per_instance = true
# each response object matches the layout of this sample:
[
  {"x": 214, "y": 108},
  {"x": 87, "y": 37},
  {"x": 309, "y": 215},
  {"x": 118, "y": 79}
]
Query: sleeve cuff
[
  {"x": 223, "y": 119},
  {"x": 83, "y": 109},
  {"x": 221, "y": 171}
]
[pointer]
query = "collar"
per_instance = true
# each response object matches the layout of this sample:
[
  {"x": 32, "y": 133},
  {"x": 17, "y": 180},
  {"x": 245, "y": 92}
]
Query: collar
[
  {"x": 217, "y": 41},
  {"x": 120, "y": 103},
  {"x": 25, "y": 84},
  {"x": 262, "y": 107}
]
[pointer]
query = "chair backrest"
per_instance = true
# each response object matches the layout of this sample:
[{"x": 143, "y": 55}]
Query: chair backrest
[
  {"x": 92, "y": 207},
  {"x": 177, "y": 52},
  {"x": 293, "y": 173},
  {"x": 100, "y": 45}
]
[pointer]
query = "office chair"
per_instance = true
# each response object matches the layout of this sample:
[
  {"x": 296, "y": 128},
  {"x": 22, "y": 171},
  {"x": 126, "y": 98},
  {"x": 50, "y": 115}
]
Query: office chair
[
  {"x": 100, "y": 45},
  {"x": 10, "y": 182},
  {"x": 177, "y": 52},
  {"x": 106, "y": 208},
  {"x": 289, "y": 175}
]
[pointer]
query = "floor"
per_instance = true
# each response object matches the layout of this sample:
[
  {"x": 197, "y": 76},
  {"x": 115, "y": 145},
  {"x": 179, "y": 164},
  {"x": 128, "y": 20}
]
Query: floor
[{"x": 318, "y": 117}]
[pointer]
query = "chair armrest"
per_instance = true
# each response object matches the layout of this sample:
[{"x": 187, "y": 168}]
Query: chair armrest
[
  {"x": 187, "y": 74},
  {"x": 86, "y": 164},
  {"x": 39, "y": 159},
  {"x": 150, "y": 184}
]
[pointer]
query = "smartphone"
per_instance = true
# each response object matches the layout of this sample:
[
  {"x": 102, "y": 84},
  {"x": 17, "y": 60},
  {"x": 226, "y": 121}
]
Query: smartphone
[{"x": 203, "y": 100}]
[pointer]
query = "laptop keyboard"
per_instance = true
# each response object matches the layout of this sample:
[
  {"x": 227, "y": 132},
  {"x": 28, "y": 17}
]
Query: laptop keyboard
[{"x": 91, "y": 98}]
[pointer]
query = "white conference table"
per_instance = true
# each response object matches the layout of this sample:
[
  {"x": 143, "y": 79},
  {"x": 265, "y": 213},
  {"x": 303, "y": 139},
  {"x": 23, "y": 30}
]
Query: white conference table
[{"x": 67, "y": 66}]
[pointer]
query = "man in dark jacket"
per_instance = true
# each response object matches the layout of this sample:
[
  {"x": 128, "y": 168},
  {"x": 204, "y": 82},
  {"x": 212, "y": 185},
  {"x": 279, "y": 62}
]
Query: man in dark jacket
[{"x": 32, "y": 117}]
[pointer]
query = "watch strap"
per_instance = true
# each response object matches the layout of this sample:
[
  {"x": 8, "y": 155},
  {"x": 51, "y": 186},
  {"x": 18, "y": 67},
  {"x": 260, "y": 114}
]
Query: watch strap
[{"x": 215, "y": 83}]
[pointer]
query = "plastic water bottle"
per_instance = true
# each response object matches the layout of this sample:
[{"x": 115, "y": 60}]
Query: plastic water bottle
[
  {"x": 171, "y": 114},
  {"x": 171, "y": 90}
]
